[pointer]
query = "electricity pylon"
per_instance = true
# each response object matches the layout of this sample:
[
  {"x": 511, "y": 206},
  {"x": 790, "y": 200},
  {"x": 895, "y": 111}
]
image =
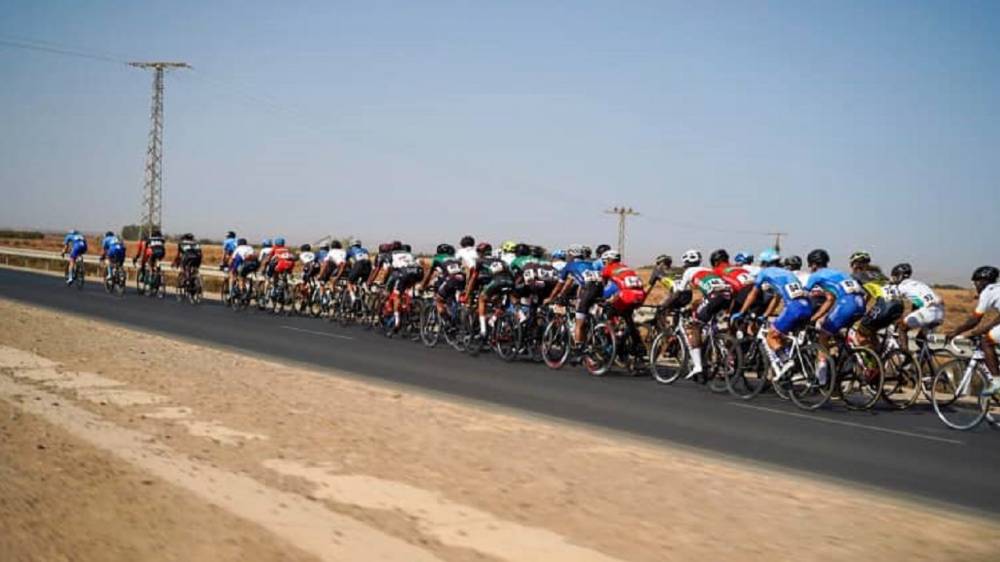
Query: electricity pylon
[
  {"x": 152, "y": 204},
  {"x": 622, "y": 212}
]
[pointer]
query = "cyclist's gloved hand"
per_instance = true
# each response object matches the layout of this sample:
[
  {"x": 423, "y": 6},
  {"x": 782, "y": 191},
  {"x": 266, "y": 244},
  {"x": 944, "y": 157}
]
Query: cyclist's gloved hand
[{"x": 736, "y": 316}]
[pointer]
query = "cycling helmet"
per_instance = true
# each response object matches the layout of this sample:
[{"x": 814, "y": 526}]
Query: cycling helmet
[
  {"x": 266, "y": 243},
  {"x": 986, "y": 273},
  {"x": 446, "y": 249},
  {"x": 558, "y": 254},
  {"x": 336, "y": 245},
  {"x": 356, "y": 244},
  {"x": 484, "y": 248},
  {"x": 240, "y": 242},
  {"x": 861, "y": 257},
  {"x": 691, "y": 258},
  {"x": 384, "y": 248},
  {"x": 108, "y": 234},
  {"x": 902, "y": 271},
  {"x": 74, "y": 231},
  {"x": 537, "y": 252},
  {"x": 793, "y": 263},
  {"x": 325, "y": 248},
  {"x": 818, "y": 257},
  {"x": 396, "y": 245},
  {"x": 230, "y": 234},
  {"x": 601, "y": 248},
  {"x": 611, "y": 256},
  {"x": 586, "y": 252},
  {"x": 769, "y": 257},
  {"x": 663, "y": 258},
  {"x": 279, "y": 241},
  {"x": 406, "y": 248},
  {"x": 719, "y": 256},
  {"x": 743, "y": 258},
  {"x": 522, "y": 250},
  {"x": 467, "y": 241},
  {"x": 305, "y": 248},
  {"x": 157, "y": 233}
]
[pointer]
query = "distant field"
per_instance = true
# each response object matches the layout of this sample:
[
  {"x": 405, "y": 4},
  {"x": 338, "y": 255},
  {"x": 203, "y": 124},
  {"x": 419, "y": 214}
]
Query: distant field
[{"x": 958, "y": 302}]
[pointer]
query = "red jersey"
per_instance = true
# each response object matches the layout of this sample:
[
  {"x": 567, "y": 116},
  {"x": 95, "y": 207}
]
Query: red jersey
[
  {"x": 622, "y": 276},
  {"x": 735, "y": 276}
]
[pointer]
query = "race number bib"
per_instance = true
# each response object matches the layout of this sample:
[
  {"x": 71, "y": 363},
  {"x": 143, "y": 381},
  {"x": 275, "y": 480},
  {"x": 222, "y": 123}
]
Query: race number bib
[
  {"x": 930, "y": 299},
  {"x": 712, "y": 284},
  {"x": 850, "y": 287},
  {"x": 453, "y": 269},
  {"x": 529, "y": 274},
  {"x": 633, "y": 282},
  {"x": 891, "y": 292},
  {"x": 591, "y": 276},
  {"x": 496, "y": 267},
  {"x": 795, "y": 291},
  {"x": 744, "y": 278}
]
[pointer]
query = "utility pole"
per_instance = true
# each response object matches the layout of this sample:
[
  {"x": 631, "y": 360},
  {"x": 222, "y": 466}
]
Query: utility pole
[
  {"x": 622, "y": 212},
  {"x": 777, "y": 240},
  {"x": 152, "y": 209}
]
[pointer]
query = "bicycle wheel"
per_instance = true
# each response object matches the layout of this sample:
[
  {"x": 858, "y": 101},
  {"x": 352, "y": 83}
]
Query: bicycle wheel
[
  {"x": 751, "y": 378},
  {"x": 809, "y": 385},
  {"x": 109, "y": 281},
  {"x": 120, "y": 279},
  {"x": 600, "y": 350},
  {"x": 505, "y": 337},
  {"x": 723, "y": 361},
  {"x": 668, "y": 358},
  {"x": 140, "y": 282},
  {"x": 556, "y": 343},
  {"x": 956, "y": 395},
  {"x": 902, "y": 384},
  {"x": 81, "y": 274},
  {"x": 430, "y": 327},
  {"x": 860, "y": 378}
]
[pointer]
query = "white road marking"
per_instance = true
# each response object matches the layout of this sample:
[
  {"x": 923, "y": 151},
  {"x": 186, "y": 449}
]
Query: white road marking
[
  {"x": 847, "y": 423},
  {"x": 314, "y": 332}
]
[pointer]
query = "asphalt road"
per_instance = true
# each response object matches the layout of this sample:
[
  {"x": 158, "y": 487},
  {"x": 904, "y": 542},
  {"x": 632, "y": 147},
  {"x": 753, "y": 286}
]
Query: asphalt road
[{"x": 909, "y": 453}]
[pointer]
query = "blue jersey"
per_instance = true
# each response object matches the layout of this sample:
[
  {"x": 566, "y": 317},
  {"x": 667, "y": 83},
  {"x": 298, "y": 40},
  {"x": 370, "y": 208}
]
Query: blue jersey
[
  {"x": 321, "y": 255},
  {"x": 74, "y": 240},
  {"x": 111, "y": 242},
  {"x": 582, "y": 271},
  {"x": 228, "y": 246},
  {"x": 837, "y": 282},
  {"x": 784, "y": 282},
  {"x": 355, "y": 254}
]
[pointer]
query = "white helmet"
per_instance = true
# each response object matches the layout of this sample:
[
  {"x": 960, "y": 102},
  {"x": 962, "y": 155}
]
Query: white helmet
[
  {"x": 691, "y": 257},
  {"x": 574, "y": 251},
  {"x": 611, "y": 256}
]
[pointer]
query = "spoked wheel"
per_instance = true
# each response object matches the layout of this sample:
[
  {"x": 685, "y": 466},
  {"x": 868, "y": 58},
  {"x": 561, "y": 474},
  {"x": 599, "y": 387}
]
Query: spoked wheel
[
  {"x": 668, "y": 358},
  {"x": 505, "y": 338},
  {"x": 723, "y": 362},
  {"x": 119, "y": 279},
  {"x": 430, "y": 327},
  {"x": 453, "y": 331},
  {"x": 809, "y": 383},
  {"x": 903, "y": 377},
  {"x": 860, "y": 378},
  {"x": 601, "y": 348},
  {"x": 80, "y": 275},
  {"x": 958, "y": 399},
  {"x": 556, "y": 343},
  {"x": 751, "y": 378},
  {"x": 224, "y": 292},
  {"x": 109, "y": 282},
  {"x": 140, "y": 282}
]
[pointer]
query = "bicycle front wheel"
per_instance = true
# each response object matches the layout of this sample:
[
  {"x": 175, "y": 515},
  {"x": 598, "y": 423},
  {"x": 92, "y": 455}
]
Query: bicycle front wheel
[
  {"x": 860, "y": 378},
  {"x": 902, "y": 379},
  {"x": 957, "y": 395},
  {"x": 600, "y": 354},
  {"x": 668, "y": 358},
  {"x": 810, "y": 385}
]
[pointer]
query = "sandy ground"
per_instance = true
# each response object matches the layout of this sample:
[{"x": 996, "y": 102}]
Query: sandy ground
[{"x": 120, "y": 445}]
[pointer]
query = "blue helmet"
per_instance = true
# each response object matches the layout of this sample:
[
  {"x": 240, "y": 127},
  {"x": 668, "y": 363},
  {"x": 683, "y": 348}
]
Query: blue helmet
[
  {"x": 769, "y": 256},
  {"x": 558, "y": 254},
  {"x": 279, "y": 241},
  {"x": 743, "y": 258},
  {"x": 74, "y": 232},
  {"x": 266, "y": 243}
]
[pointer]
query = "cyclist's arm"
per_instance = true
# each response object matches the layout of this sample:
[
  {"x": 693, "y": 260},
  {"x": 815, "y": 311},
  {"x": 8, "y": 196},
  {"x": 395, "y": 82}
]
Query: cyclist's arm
[
  {"x": 471, "y": 282},
  {"x": 427, "y": 275},
  {"x": 751, "y": 298},
  {"x": 986, "y": 327},
  {"x": 824, "y": 308},
  {"x": 773, "y": 306}
]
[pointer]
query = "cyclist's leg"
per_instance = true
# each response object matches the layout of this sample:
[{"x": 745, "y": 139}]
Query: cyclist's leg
[{"x": 989, "y": 346}]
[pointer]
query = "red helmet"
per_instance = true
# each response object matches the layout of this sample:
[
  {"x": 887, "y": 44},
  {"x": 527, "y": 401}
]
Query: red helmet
[{"x": 484, "y": 248}]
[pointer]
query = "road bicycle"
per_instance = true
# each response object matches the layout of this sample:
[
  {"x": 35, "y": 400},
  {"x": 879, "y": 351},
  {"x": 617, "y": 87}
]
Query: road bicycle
[
  {"x": 188, "y": 285},
  {"x": 670, "y": 356},
  {"x": 149, "y": 281},
  {"x": 79, "y": 273},
  {"x": 903, "y": 374},
  {"x": 959, "y": 395},
  {"x": 115, "y": 279}
]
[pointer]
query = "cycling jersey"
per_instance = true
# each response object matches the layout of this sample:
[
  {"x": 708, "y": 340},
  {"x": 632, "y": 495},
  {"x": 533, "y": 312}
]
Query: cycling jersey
[
  {"x": 736, "y": 276},
  {"x": 264, "y": 254},
  {"x": 919, "y": 294},
  {"x": 876, "y": 285},
  {"x": 284, "y": 259},
  {"x": 581, "y": 271},
  {"x": 624, "y": 282},
  {"x": 540, "y": 273},
  {"x": 447, "y": 268},
  {"x": 356, "y": 254},
  {"x": 489, "y": 268},
  {"x": 336, "y": 256},
  {"x": 661, "y": 276},
  {"x": 155, "y": 248},
  {"x": 704, "y": 279},
  {"x": 518, "y": 263},
  {"x": 307, "y": 258},
  {"x": 77, "y": 245},
  {"x": 797, "y": 309},
  {"x": 467, "y": 256},
  {"x": 114, "y": 248},
  {"x": 508, "y": 258},
  {"x": 850, "y": 302},
  {"x": 190, "y": 248},
  {"x": 558, "y": 265},
  {"x": 228, "y": 246},
  {"x": 988, "y": 299},
  {"x": 400, "y": 260}
]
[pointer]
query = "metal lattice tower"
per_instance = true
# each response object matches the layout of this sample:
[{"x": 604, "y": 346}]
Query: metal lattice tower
[
  {"x": 152, "y": 204},
  {"x": 622, "y": 213}
]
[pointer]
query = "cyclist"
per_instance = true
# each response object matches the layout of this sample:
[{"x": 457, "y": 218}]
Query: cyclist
[
  {"x": 448, "y": 276},
  {"x": 709, "y": 294},
  {"x": 228, "y": 246},
  {"x": 383, "y": 262},
  {"x": 885, "y": 303},
  {"x": 794, "y": 264},
  {"x": 507, "y": 252},
  {"x": 113, "y": 250},
  {"x": 842, "y": 303},
  {"x": 540, "y": 277},
  {"x": 985, "y": 280},
  {"x": 928, "y": 308},
  {"x": 492, "y": 276},
  {"x": 661, "y": 275},
  {"x": 75, "y": 245},
  {"x": 188, "y": 257},
  {"x": 624, "y": 293},
  {"x": 242, "y": 262},
  {"x": 795, "y": 314},
  {"x": 151, "y": 250},
  {"x": 580, "y": 272},
  {"x": 359, "y": 266},
  {"x": 334, "y": 263},
  {"x": 739, "y": 278},
  {"x": 558, "y": 259}
]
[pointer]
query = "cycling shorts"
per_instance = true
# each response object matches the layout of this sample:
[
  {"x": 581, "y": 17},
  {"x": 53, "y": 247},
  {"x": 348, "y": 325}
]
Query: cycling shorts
[
  {"x": 247, "y": 267},
  {"x": 284, "y": 266},
  {"x": 682, "y": 299},
  {"x": 77, "y": 250},
  {"x": 713, "y": 303},
  {"x": 759, "y": 305},
  {"x": 359, "y": 270},
  {"x": 447, "y": 288},
  {"x": 498, "y": 285},
  {"x": 994, "y": 335},
  {"x": 882, "y": 314},
  {"x": 846, "y": 311},
  {"x": 156, "y": 253},
  {"x": 628, "y": 300},
  {"x": 926, "y": 318},
  {"x": 794, "y": 316},
  {"x": 589, "y": 294},
  {"x": 116, "y": 255},
  {"x": 191, "y": 260}
]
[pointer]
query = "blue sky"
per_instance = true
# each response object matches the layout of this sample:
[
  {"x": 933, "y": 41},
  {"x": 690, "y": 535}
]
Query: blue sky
[{"x": 847, "y": 124}]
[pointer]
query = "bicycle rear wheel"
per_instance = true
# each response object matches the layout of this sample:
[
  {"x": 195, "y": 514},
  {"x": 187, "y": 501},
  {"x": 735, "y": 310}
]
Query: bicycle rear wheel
[
  {"x": 957, "y": 400},
  {"x": 860, "y": 378},
  {"x": 723, "y": 361},
  {"x": 902, "y": 379},
  {"x": 556, "y": 344},
  {"x": 751, "y": 378},
  {"x": 505, "y": 337},
  {"x": 808, "y": 384},
  {"x": 668, "y": 358},
  {"x": 600, "y": 354}
]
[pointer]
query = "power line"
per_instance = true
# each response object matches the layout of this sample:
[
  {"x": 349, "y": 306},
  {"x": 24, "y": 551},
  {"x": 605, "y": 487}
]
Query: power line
[{"x": 51, "y": 48}]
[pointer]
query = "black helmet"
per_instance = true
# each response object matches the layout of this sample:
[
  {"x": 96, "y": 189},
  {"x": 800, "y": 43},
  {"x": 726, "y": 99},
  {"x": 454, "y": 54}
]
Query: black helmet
[
  {"x": 601, "y": 248},
  {"x": 109, "y": 233},
  {"x": 718, "y": 257},
  {"x": 406, "y": 248},
  {"x": 325, "y": 248},
  {"x": 157, "y": 233},
  {"x": 467, "y": 241},
  {"x": 793, "y": 263},
  {"x": 522, "y": 249},
  {"x": 664, "y": 258},
  {"x": 336, "y": 245},
  {"x": 187, "y": 236},
  {"x": 819, "y": 258},
  {"x": 986, "y": 273},
  {"x": 396, "y": 245},
  {"x": 241, "y": 242},
  {"x": 902, "y": 271},
  {"x": 484, "y": 248},
  {"x": 538, "y": 252},
  {"x": 305, "y": 248},
  {"x": 230, "y": 234},
  {"x": 446, "y": 249}
]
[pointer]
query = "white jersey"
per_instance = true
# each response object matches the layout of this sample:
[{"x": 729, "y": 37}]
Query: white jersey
[
  {"x": 508, "y": 257},
  {"x": 243, "y": 251},
  {"x": 265, "y": 253},
  {"x": 468, "y": 256},
  {"x": 918, "y": 293},
  {"x": 687, "y": 280},
  {"x": 988, "y": 299},
  {"x": 558, "y": 265},
  {"x": 402, "y": 259},
  {"x": 337, "y": 256},
  {"x": 307, "y": 258}
]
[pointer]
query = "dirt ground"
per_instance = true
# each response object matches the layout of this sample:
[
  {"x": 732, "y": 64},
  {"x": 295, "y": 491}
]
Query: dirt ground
[{"x": 122, "y": 445}]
